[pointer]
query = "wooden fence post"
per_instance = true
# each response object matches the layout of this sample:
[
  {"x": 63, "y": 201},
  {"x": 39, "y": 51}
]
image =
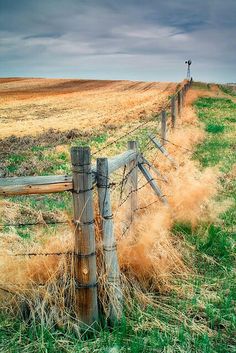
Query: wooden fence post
[
  {"x": 183, "y": 96},
  {"x": 109, "y": 241},
  {"x": 163, "y": 127},
  {"x": 85, "y": 257},
  {"x": 173, "y": 112},
  {"x": 179, "y": 103},
  {"x": 132, "y": 180}
]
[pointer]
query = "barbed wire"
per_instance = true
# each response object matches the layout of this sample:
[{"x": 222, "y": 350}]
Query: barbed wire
[
  {"x": 122, "y": 136},
  {"x": 150, "y": 204},
  {"x": 32, "y": 224},
  {"x": 124, "y": 177},
  {"x": 136, "y": 190},
  {"x": 140, "y": 125},
  {"x": 66, "y": 253},
  {"x": 7, "y": 290}
]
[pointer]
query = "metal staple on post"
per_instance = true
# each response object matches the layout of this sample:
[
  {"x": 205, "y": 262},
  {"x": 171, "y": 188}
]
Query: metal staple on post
[
  {"x": 109, "y": 241},
  {"x": 85, "y": 256}
]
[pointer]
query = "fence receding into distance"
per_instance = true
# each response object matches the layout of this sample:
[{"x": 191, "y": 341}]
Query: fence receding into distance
[{"x": 84, "y": 179}]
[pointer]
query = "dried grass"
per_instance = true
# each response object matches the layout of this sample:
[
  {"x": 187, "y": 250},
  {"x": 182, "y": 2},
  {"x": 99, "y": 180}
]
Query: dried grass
[
  {"x": 43, "y": 104},
  {"x": 149, "y": 256}
]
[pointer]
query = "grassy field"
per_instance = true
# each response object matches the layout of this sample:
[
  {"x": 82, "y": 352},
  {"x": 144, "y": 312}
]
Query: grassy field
[{"x": 198, "y": 315}]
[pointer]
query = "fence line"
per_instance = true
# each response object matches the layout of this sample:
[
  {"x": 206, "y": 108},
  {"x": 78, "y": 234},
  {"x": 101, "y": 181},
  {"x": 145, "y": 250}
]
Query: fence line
[{"x": 85, "y": 178}]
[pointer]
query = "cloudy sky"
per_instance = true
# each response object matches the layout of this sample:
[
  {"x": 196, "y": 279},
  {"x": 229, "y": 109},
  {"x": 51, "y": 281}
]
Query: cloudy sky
[{"x": 119, "y": 39}]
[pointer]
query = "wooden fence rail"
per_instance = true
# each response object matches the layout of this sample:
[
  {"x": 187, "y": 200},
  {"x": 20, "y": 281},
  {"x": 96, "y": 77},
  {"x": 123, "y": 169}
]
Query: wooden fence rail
[{"x": 81, "y": 183}]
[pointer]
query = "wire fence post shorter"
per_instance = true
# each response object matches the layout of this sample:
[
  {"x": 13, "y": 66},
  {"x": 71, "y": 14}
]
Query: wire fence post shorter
[
  {"x": 109, "y": 241},
  {"x": 163, "y": 127},
  {"x": 85, "y": 271},
  {"x": 132, "y": 180},
  {"x": 173, "y": 112}
]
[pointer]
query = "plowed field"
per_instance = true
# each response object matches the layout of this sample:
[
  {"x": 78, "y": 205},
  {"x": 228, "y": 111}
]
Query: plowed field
[{"x": 29, "y": 106}]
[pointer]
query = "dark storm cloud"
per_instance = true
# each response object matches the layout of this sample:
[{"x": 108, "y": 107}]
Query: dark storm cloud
[
  {"x": 43, "y": 35},
  {"x": 121, "y": 39}
]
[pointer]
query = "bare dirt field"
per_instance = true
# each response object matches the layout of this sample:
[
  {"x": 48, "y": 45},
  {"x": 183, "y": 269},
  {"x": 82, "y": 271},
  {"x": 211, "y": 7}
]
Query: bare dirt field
[{"x": 30, "y": 106}]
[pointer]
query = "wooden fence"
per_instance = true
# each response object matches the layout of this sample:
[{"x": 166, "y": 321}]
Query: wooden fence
[{"x": 81, "y": 183}]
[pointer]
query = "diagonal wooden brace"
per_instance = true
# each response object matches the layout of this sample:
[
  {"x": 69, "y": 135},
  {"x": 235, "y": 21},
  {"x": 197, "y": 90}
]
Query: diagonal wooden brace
[
  {"x": 155, "y": 170},
  {"x": 162, "y": 149},
  {"x": 152, "y": 182}
]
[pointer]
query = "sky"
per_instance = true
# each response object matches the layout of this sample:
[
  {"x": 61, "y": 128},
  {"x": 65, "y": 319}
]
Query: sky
[{"x": 145, "y": 40}]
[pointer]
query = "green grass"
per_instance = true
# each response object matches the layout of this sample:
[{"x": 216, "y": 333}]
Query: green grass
[
  {"x": 201, "y": 85},
  {"x": 199, "y": 320},
  {"x": 49, "y": 160},
  {"x": 228, "y": 90}
]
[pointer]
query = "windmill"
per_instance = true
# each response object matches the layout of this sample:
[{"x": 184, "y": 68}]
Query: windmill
[{"x": 188, "y": 62}]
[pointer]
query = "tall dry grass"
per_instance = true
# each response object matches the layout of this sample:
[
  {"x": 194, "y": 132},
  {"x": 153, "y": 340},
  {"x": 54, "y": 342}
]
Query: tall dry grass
[{"x": 41, "y": 287}]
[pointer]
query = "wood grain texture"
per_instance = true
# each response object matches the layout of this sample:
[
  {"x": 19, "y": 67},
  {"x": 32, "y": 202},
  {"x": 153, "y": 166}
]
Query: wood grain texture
[
  {"x": 85, "y": 259},
  {"x": 55, "y": 183},
  {"x": 35, "y": 185},
  {"x": 109, "y": 241}
]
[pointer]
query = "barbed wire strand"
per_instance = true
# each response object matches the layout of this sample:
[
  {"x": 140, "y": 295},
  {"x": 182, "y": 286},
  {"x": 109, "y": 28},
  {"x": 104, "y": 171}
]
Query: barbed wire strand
[
  {"x": 32, "y": 224},
  {"x": 140, "y": 125},
  {"x": 124, "y": 178}
]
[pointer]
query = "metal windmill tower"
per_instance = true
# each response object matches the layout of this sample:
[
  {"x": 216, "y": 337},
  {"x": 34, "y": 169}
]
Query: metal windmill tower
[{"x": 188, "y": 62}]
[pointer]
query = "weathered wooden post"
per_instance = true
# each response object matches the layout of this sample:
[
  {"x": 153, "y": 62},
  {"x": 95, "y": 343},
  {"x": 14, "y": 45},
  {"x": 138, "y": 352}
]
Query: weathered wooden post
[
  {"x": 179, "y": 103},
  {"x": 185, "y": 92},
  {"x": 163, "y": 127},
  {"x": 173, "y": 112},
  {"x": 85, "y": 256},
  {"x": 183, "y": 96},
  {"x": 109, "y": 241},
  {"x": 132, "y": 180}
]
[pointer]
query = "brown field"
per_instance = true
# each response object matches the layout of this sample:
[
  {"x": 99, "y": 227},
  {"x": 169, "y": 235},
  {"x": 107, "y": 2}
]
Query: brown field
[{"x": 30, "y": 106}]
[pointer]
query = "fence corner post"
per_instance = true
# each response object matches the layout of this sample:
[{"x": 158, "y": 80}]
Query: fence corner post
[
  {"x": 109, "y": 242},
  {"x": 85, "y": 271}
]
